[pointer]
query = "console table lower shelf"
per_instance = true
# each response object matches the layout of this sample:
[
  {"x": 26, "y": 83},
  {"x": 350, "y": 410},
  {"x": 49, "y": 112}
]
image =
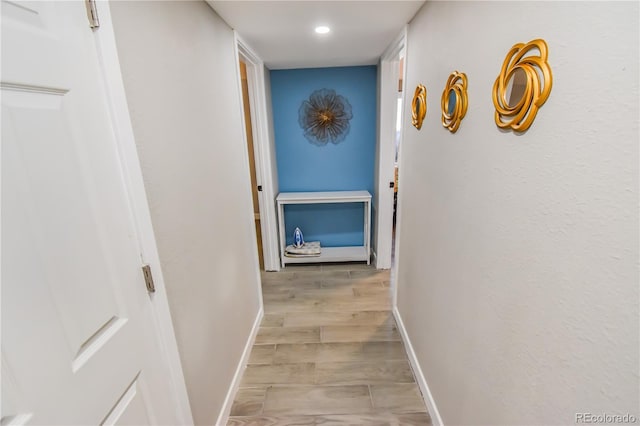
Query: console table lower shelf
[
  {"x": 333, "y": 254},
  {"x": 359, "y": 253}
]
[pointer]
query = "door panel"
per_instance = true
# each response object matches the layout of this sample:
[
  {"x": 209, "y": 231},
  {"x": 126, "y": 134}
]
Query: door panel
[
  {"x": 130, "y": 409},
  {"x": 56, "y": 196},
  {"x": 78, "y": 344}
]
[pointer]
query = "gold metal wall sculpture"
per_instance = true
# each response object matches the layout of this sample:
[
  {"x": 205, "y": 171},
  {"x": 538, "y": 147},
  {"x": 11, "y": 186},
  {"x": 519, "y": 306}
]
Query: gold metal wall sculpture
[
  {"x": 325, "y": 117},
  {"x": 419, "y": 106},
  {"x": 523, "y": 85},
  {"x": 454, "y": 101}
]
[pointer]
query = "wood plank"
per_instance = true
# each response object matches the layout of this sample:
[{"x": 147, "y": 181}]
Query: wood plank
[
  {"x": 374, "y": 419},
  {"x": 277, "y": 276},
  {"x": 338, "y": 352},
  {"x": 272, "y": 421},
  {"x": 378, "y": 290},
  {"x": 349, "y": 283},
  {"x": 272, "y": 320},
  {"x": 297, "y": 352},
  {"x": 398, "y": 398},
  {"x": 360, "y": 333},
  {"x": 284, "y": 303},
  {"x": 316, "y": 319},
  {"x": 262, "y": 354},
  {"x": 286, "y": 287},
  {"x": 378, "y": 274},
  {"x": 354, "y": 373},
  {"x": 348, "y": 266},
  {"x": 384, "y": 351},
  {"x": 345, "y": 266},
  {"x": 308, "y": 291},
  {"x": 321, "y": 274},
  {"x": 248, "y": 402},
  {"x": 289, "y": 400},
  {"x": 377, "y": 419},
  {"x": 288, "y": 335},
  {"x": 275, "y": 374}
]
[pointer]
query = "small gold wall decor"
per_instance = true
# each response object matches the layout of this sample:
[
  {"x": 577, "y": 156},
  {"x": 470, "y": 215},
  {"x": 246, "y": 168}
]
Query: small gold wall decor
[
  {"x": 523, "y": 85},
  {"x": 419, "y": 106},
  {"x": 454, "y": 101}
]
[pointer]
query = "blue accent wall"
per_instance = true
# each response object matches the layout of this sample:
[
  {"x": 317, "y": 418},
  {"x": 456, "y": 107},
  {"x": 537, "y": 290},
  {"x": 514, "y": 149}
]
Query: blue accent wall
[{"x": 347, "y": 166}]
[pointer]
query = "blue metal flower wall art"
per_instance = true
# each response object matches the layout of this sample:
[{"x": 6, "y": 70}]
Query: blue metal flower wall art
[{"x": 324, "y": 117}]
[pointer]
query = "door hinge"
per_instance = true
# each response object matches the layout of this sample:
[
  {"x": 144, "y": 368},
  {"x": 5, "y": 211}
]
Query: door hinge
[
  {"x": 148, "y": 278},
  {"x": 92, "y": 14},
  {"x": 260, "y": 188}
]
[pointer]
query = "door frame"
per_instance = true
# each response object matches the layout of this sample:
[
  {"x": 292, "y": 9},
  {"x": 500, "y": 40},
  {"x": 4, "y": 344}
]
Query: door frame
[
  {"x": 133, "y": 182},
  {"x": 266, "y": 172},
  {"x": 385, "y": 154}
]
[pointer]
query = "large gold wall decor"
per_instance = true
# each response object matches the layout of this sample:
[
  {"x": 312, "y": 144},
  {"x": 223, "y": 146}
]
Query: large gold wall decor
[
  {"x": 419, "y": 106},
  {"x": 523, "y": 85},
  {"x": 325, "y": 117},
  {"x": 454, "y": 101}
]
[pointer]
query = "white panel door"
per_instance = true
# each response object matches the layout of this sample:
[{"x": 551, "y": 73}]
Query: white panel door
[{"x": 78, "y": 343}]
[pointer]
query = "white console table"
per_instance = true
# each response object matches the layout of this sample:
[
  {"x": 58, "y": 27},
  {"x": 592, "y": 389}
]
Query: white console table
[{"x": 328, "y": 254}]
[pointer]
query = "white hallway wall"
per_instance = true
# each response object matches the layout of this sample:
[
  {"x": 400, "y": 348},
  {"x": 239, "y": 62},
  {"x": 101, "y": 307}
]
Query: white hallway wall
[
  {"x": 518, "y": 274},
  {"x": 179, "y": 70}
]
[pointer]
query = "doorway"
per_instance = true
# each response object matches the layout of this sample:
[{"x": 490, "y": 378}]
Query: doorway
[
  {"x": 254, "y": 87},
  {"x": 390, "y": 118},
  {"x": 246, "y": 104},
  {"x": 396, "y": 166}
]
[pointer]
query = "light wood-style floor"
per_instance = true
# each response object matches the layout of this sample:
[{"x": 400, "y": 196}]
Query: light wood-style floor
[{"x": 328, "y": 353}]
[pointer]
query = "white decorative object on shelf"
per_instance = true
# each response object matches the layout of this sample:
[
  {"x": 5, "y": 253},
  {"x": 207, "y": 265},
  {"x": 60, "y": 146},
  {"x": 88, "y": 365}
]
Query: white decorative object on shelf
[
  {"x": 328, "y": 254},
  {"x": 298, "y": 239}
]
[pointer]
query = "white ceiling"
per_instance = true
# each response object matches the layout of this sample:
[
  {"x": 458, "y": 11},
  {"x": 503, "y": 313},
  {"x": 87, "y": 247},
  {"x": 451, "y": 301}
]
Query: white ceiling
[{"x": 282, "y": 32}]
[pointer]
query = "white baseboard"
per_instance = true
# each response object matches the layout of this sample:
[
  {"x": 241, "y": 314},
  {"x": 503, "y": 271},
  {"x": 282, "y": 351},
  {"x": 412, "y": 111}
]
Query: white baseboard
[
  {"x": 436, "y": 420},
  {"x": 223, "y": 418},
  {"x": 374, "y": 261}
]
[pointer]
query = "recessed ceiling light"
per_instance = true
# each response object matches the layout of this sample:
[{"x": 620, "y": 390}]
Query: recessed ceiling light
[{"x": 322, "y": 29}]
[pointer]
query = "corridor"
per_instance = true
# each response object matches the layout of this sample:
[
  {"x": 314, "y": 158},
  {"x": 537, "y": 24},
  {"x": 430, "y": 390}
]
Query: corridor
[{"x": 328, "y": 353}]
